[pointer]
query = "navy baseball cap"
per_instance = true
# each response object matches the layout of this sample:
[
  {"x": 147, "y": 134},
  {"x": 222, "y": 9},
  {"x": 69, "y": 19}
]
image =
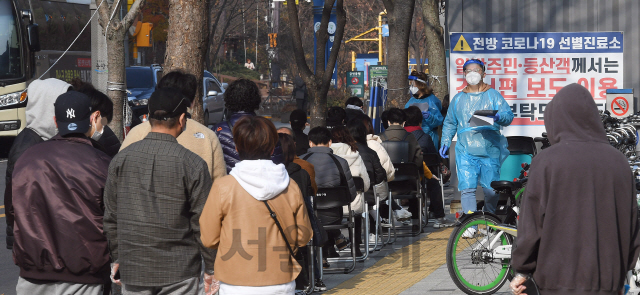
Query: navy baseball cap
[{"x": 73, "y": 113}]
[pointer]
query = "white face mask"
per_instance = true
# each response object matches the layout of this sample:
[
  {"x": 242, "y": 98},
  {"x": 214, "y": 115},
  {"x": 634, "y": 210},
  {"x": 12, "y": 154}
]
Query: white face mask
[
  {"x": 473, "y": 78},
  {"x": 413, "y": 89},
  {"x": 97, "y": 134}
]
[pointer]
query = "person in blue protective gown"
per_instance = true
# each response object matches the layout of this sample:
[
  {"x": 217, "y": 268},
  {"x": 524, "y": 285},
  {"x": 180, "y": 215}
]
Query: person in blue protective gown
[
  {"x": 421, "y": 93},
  {"x": 480, "y": 150}
]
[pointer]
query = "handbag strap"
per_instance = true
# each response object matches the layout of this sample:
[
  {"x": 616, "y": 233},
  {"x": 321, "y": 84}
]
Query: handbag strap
[
  {"x": 343, "y": 178},
  {"x": 275, "y": 218}
]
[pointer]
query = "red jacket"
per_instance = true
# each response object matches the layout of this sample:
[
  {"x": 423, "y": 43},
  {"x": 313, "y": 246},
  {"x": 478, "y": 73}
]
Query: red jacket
[{"x": 57, "y": 198}]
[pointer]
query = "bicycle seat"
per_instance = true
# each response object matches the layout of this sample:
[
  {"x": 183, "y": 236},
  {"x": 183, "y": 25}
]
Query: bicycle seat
[{"x": 502, "y": 185}]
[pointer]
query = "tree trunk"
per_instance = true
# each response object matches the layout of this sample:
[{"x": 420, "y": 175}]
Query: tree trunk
[
  {"x": 116, "y": 77},
  {"x": 398, "y": 50},
  {"x": 318, "y": 84},
  {"x": 115, "y": 30},
  {"x": 435, "y": 49},
  {"x": 187, "y": 42}
]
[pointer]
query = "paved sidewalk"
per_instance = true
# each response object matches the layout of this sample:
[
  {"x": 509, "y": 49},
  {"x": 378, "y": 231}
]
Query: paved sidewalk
[{"x": 412, "y": 265}]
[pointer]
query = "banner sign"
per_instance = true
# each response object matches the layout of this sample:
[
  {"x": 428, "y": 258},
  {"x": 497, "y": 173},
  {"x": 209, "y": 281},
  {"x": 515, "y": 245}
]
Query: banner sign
[
  {"x": 377, "y": 71},
  {"x": 528, "y": 69},
  {"x": 355, "y": 83}
]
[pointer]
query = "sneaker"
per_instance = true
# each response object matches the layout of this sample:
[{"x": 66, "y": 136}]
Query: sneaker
[
  {"x": 320, "y": 286},
  {"x": 372, "y": 239},
  {"x": 342, "y": 242},
  {"x": 443, "y": 222},
  {"x": 469, "y": 233},
  {"x": 403, "y": 214},
  {"x": 406, "y": 222}
]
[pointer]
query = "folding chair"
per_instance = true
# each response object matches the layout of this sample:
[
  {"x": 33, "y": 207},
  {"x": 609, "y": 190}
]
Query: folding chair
[
  {"x": 332, "y": 198},
  {"x": 359, "y": 182},
  {"x": 432, "y": 160},
  {"x": 379, "y": 243},
  {"x": 310, "y": 264},
  {"x": 407, "y": 177}
]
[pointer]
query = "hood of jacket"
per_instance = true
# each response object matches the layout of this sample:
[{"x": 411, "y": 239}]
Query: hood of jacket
[
  {"x": 344, "y": 151},
  {"x": 40, "y": 111},
  {"x": 299, "y": 83},
  {"x": 262, "y": 179},
  {"x": 374, "y": 138},
  {"x": 572, "y": 115}
]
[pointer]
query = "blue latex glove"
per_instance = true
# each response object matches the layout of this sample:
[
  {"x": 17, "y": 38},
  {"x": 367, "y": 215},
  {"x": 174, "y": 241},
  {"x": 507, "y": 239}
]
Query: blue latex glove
[
  {"x": 425, "y": 114},
  {"x": 496, "y": 117},
  {"x": 443, "y": 151}
]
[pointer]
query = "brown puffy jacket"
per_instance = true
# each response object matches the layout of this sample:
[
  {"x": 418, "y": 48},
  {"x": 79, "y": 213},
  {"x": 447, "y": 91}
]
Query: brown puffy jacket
[{"x": 251, "y": 250}]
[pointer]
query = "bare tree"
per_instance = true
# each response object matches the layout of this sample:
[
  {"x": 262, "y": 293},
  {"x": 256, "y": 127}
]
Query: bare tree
[
  {"x": 435, "y": 47},
  {"x": 115, "y": 31},
  {"x": 398, "y": 12},
  {"x": 417, "y": 40},
  {"x": 187, "y": 43},
  {"x": 225, "y": 19},
  {"x": 318, "y": 83}
]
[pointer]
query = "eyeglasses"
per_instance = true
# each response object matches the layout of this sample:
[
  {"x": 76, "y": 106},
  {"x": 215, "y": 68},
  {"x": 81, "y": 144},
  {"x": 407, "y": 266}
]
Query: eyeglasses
[{"x": 476, "y": 70}]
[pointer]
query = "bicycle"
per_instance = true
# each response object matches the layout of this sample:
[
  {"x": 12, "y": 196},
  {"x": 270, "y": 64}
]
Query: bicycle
[{"x": 479, "y": 248}]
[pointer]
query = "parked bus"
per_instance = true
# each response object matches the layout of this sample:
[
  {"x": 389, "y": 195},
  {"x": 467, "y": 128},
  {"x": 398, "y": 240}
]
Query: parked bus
[{"x": 33, "y": 36}]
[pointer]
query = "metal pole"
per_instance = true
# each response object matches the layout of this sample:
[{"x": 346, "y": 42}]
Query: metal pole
[
  {"x": 380, "y": 39},
  {"x": 244, "y": 33},
  {"x": 257, "y": 13}
]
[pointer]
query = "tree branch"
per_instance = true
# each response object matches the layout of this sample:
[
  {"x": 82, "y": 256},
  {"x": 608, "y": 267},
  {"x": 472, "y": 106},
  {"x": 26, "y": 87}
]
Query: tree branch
[
  {"x": 103, "y": 13},
  {"x": 322, "y": 36},
  {"x": 133, "y": 12},
  {"x": 294, "y": 24},
  {"x": 341, "y": 17}
]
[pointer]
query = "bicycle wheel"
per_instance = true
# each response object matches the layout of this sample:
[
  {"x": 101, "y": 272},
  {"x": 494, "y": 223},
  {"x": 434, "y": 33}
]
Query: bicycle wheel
[{"x": 471, "y": 261}]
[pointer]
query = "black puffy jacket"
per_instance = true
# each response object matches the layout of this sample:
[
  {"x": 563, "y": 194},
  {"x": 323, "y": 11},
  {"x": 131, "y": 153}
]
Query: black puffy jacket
[
  {"x": 26, "y": 139},
  {"x": 110, "y": 142},
  {"x": 377, "y": 174},
  {"x": 225, "y": 135}
]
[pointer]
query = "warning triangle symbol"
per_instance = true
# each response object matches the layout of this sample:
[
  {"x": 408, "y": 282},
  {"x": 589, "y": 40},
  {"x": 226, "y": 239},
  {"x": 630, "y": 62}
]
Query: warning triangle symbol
[{"x": 462, "y": 45}]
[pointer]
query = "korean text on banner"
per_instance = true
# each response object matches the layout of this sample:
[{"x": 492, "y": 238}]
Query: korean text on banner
[{"x": 528, "y": 69}]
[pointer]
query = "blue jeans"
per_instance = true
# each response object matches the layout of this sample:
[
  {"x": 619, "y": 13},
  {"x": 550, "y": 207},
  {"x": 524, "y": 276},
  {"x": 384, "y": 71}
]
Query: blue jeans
[{"x": 468, "y": 200}]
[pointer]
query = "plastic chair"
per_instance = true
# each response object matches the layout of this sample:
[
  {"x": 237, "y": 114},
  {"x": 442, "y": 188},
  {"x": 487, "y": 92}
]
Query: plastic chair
[
  {"x": 332, "y": 198},
  {"x": 432, "y": 160},
  {"x": 359, "y": 182},
  {"x": 398, "y": 151},
  {"x": 407, "y": 176}
]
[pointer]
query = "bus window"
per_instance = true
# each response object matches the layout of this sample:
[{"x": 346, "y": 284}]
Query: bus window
[{"x": 10, "y": 59}]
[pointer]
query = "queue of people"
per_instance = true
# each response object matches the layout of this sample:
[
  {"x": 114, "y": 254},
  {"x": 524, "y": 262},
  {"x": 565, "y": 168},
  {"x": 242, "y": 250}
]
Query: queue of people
[
  {"x": 179, "y": 208},
  {"x": 152, "y": 212}
]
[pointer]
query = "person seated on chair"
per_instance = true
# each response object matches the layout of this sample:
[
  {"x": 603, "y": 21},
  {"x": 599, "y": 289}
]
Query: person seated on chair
[
  {"x": 396, "y": 119},
  {"x": 414, "y": 119},
  {"x": 336, "y": 116},
  {"x": 353, "y": 107},
  {"x": 371, "y": 161},
  {"x": 320, "y": 155},
  {"x": 343, "y": 145},
  {"x": 298, "y": 121}
]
